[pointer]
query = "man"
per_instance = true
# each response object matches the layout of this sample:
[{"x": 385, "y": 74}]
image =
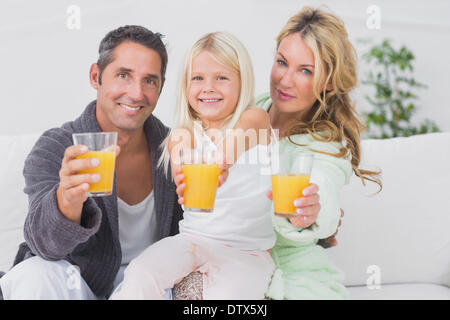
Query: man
[{"x": 64, "y": 228}]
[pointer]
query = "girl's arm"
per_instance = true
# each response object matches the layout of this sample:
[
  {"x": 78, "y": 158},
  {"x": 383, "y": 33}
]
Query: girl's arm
[{"x": 253, "y": 128}]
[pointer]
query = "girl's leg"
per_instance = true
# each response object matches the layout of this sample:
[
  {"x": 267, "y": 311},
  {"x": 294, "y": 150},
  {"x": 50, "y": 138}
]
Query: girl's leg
[
  {"x": 159, "y": 267},
  {"x": 237, "y": 274}
]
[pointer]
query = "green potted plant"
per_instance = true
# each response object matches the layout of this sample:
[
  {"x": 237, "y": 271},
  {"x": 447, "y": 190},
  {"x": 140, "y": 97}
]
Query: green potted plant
[{"x": 394, "y": 98}]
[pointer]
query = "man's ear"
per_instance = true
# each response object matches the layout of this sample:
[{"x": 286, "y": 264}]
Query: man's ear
[{"x": 94, "y": 76}]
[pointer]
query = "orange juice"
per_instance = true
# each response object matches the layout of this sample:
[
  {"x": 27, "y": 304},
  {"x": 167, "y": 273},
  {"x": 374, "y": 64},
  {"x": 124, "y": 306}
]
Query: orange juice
[
  {"x": 287, "y": 188},
  {"x": 201, "y": 186},
  {"x": 105, "y": 169}
]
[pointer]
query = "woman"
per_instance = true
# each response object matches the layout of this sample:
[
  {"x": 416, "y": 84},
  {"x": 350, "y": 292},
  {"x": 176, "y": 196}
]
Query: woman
[{"x": 313, "y": 73}]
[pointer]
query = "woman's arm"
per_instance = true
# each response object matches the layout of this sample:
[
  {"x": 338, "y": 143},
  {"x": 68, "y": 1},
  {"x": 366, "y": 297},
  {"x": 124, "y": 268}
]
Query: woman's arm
[{"x": 310, "y": 208}]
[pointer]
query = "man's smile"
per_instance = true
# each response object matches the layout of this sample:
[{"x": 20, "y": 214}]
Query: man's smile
[{"x": 129, "y": 109}]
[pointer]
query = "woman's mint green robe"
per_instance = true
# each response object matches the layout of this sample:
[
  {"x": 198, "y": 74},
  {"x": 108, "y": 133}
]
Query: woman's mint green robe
[{"x": 303, "y": 268}]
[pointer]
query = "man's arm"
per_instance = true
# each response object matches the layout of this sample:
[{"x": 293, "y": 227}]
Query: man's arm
[{"x": 47, "y": 231}]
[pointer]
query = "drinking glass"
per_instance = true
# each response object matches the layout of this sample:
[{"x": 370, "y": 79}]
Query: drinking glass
[
  {"x": 201, "y": 173},
  {"x": 101, "y": 145},
  {"x": 290, "y": 175}
]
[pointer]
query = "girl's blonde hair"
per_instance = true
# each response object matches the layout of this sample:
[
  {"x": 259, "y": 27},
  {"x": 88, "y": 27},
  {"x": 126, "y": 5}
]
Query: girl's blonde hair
[
  {"x": 335, "y": 62},
  {"x": 229, "y": 51}
]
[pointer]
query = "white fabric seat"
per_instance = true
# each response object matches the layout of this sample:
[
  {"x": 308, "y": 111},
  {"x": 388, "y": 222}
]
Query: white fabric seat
[{"x": 406, "y": 291}]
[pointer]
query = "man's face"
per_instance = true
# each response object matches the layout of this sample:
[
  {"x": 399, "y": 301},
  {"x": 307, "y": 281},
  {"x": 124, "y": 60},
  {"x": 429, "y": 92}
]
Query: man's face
[{"x": 130, "y": 87}]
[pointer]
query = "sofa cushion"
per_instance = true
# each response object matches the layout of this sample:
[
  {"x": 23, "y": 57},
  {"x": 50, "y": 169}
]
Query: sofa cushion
[
  {"x": 401, "y": 234},
  {"x": 407, "y": 291},
  {"x": 14, "y": 204}
]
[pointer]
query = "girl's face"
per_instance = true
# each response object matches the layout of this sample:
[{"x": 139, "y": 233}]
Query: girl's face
[
  {"x": 291, "y": 78},
  {"x": 214, "y": 90}
]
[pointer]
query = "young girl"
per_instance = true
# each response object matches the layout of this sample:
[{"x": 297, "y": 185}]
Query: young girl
[
  {"x": 313, "y": 72},
  {"x": 229, "y": 245}
]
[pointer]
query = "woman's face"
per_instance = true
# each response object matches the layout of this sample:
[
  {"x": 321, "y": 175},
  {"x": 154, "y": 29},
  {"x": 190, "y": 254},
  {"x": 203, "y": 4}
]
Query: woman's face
[
  {"x": 214, "y": 90},
  {"x": 291, "y": 78}
]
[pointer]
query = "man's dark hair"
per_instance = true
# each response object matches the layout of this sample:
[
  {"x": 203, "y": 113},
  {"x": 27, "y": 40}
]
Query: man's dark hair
[{"x": 136, "y": 34}]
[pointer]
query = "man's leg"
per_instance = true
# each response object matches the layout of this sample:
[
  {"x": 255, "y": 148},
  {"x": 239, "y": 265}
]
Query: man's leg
[{"x": 36, "y": 278}]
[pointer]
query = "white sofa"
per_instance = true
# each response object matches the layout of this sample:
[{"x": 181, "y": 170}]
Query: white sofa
[{"x": 393, "y": 245}]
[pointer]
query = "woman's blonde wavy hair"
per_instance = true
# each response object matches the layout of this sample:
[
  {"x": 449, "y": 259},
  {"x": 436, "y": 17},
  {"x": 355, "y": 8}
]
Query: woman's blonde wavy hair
[{"x": 335, "y": 58}]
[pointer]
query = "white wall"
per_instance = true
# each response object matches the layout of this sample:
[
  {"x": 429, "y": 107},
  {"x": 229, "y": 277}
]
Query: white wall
[{"x": 44, "y": 64}]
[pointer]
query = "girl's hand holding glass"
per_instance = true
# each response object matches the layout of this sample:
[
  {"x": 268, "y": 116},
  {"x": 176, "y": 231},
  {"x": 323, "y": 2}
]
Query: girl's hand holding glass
[{"x": 181, "y": 185}]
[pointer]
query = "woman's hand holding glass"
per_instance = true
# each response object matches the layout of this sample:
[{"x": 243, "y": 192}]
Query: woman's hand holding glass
[
  {"x": 307, "y": 207},
  {"x": 307, "y": 211}
]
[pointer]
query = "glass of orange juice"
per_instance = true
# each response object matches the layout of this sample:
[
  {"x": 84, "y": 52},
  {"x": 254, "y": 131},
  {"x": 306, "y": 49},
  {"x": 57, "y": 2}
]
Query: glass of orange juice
[
  {"x": 201, "y": 173},
  {"x": 101, "y": 145},
  {"x": 290, "y": 175}
]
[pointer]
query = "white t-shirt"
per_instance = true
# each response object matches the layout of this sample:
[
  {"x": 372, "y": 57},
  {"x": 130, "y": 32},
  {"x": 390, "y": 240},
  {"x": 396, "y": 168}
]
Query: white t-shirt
[{"x": 137, "y": 229}]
